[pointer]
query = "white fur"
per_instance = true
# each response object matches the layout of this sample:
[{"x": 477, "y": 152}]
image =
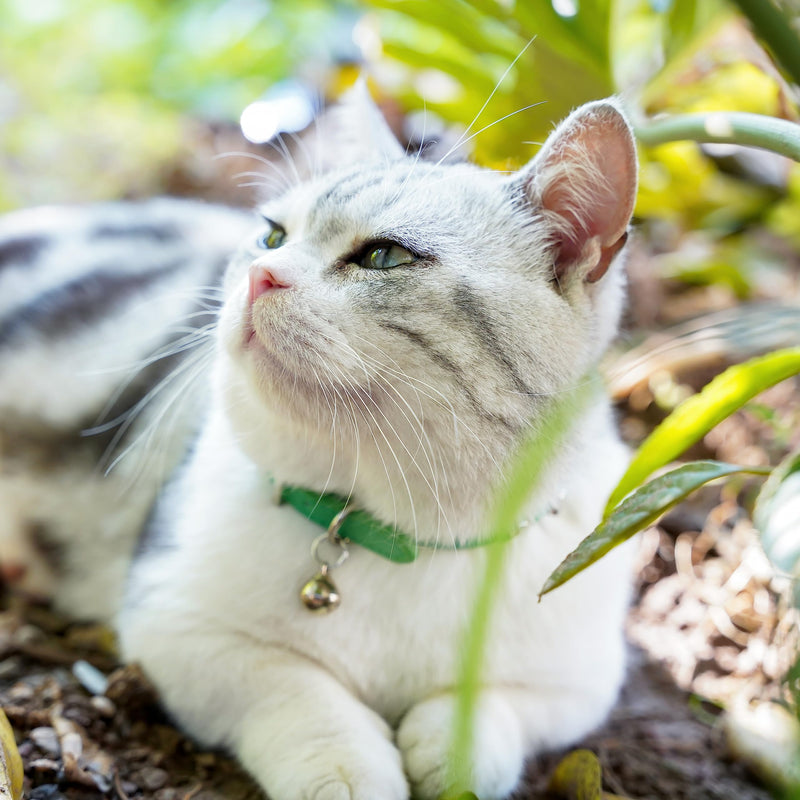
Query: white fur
[{"x": 359, "y": 704}]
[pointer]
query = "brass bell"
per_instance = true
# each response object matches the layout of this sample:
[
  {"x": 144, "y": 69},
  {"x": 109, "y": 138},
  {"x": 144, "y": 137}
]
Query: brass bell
[{"x": 320, "y": 593}]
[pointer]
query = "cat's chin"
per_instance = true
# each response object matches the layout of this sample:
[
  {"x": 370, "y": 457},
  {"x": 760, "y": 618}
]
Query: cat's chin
[{"x": 288, "y": 379}]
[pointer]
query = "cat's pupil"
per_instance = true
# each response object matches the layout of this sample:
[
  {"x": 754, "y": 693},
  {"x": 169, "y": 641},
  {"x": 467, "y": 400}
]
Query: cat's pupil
[{"x": 386, "y": 256}]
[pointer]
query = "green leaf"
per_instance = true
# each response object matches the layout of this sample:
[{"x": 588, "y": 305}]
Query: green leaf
[
  {"x": 693, "y": 418},
  {"x": 639, "y": 510},
  {"x": 555, "y": 63},
  {"x": 458, "y": 19},
  {"x": 777, "y": 515}
]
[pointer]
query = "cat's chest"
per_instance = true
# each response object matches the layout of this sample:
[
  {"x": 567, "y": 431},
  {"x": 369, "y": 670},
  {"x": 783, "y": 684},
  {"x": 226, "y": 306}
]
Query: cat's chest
[
  {"x": 239, "y": 561},
  {"x": 397, "y": 634}
]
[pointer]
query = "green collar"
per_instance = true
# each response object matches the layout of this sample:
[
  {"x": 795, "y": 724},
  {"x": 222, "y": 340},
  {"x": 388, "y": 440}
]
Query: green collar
[{"x": 361, "y": 528}]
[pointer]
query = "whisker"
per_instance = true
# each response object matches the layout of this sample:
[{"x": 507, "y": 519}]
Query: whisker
[{"x": 460, "y": 142}]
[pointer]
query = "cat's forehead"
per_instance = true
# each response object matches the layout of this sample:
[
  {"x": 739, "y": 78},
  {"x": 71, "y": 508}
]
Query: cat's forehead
[{"x": 380, "y": 192}]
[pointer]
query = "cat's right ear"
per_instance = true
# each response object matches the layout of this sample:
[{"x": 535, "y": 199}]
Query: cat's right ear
[{"x": 582, "y": 184}]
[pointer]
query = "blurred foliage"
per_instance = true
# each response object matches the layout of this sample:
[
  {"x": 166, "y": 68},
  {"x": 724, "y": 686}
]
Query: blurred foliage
[
  {"x": 658, "y": 55},
  {"x": 99, "y": 98},
  {"x": 94, "y": 93}
]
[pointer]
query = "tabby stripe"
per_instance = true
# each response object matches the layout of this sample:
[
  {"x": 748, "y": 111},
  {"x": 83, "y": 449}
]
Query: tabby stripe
[
  {"x": 443, "y": 361},
  {"x": 80, "y": 302},
  {"x": 474, "y": 311},
  {"x": 21, "y": 251},
  {"x": 343, "y": 191},
  {"x": 156, "y": 233}
]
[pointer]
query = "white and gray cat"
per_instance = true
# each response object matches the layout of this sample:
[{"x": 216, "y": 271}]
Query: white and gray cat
[{"x": 389, "y": 334}]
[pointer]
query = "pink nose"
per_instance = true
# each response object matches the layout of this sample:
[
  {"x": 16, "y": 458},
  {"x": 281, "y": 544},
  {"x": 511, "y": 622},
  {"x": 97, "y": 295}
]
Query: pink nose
[{"x": 263, "y": 281}]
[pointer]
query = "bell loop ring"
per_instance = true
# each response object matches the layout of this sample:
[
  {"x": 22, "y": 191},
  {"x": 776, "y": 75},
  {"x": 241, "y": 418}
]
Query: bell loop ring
[
  {"x": 336, "y": 523},
  {"x": 329, "y": 563}
]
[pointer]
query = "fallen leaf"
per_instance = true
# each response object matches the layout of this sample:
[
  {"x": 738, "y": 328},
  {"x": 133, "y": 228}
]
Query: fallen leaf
[
  {"x": 578, "y": 776},
  {"x": 11, "y": 771}
]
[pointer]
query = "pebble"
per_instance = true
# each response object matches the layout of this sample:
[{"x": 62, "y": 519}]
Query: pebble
[
  {"x": 94, "y": 681},
  {"x": 20, "y": 692},
  {"x": 46, "y": 740},
  {"x": 104, "y": 706},
  {"x": 151, "y": 778},
  {"x": 10, "y": 667},
  {"x": 44, "y": 765},
  {"x": 48, "y": 791},
  {"x": 28, "y": 634}
]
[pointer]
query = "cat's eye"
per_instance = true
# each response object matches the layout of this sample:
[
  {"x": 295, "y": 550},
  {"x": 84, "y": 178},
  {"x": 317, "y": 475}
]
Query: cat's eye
[
  {"x": 273, "y": 237},
  {"x": 386, "y": 256}
]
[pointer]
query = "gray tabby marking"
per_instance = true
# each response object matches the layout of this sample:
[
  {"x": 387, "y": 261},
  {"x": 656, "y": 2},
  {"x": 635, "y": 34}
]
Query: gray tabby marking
[
  {"x": 474, "y": 312},
  {"x": 81, "y": 302},
  {"x": 21, "y": 251},
  {"x": 439, "y": 358},
  {"x": 156, "y": 233}
]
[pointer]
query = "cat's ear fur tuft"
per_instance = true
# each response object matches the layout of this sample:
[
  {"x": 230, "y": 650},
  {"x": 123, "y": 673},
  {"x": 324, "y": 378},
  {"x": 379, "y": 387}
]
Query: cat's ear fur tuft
[
  {"x": 583, "y": 184},
  {"x": 357, "y": 131}
]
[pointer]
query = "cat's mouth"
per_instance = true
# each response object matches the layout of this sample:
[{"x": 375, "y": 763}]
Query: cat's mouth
[
  {"x": 279, "y": 340},
  {"x": 283, "y": 352},
  {"x": 248, "y": 332}
]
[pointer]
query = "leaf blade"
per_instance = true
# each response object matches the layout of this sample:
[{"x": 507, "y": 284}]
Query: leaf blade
[
  {"x": 638, "y": 511},
  {"x": 777, "y": 515},
  {"x": 11, "y": 769},
  {"x": 693, "y": 418}
]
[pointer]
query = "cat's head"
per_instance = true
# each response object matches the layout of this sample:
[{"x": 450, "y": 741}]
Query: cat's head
[{"x": 391, "y": 298}]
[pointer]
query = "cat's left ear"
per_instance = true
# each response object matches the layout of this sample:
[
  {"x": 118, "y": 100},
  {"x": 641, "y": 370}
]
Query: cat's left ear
[
  {"x": 583, "y": 184},
  {"x": 357, "y": 131}
]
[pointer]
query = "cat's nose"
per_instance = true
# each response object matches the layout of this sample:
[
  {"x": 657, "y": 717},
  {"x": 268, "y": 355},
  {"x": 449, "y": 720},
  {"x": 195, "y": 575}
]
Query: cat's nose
[{"x": 264, "y": 280}]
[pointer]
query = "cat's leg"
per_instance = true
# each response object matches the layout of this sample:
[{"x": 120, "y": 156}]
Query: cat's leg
[
  {"x": 508, "y": 726},
  {"x": 292, "y": 724}
]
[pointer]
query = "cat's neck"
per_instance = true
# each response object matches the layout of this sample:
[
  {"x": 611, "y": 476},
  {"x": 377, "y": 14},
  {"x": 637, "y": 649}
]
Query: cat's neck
[{"x": 441, "y": 493}]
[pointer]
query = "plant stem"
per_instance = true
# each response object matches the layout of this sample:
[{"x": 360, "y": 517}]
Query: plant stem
[
  {"x": 726, "y": 127},
  {"x": 472, "y": 669},
  {"x": 775, "y": 28},
  {"x": 526, "y": 472}
]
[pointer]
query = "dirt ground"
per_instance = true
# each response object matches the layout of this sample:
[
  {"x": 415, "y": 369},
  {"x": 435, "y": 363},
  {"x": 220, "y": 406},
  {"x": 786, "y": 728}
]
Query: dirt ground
[{"x": 89, "y": 729}]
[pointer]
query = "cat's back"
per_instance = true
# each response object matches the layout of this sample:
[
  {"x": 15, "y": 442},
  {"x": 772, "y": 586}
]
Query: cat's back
[
  {"x": 98, "y": 303},
  {"x": 87, "y": 289}
]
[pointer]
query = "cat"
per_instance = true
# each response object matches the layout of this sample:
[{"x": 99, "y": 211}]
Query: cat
[{"x": 388, "y": 334}]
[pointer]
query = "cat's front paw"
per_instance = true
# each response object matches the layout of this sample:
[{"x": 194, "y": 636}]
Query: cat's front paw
[
  {"x": 425, "y": 739},
  {"x": 341, "y": 773},
  {"x": 344, "y": 764}
]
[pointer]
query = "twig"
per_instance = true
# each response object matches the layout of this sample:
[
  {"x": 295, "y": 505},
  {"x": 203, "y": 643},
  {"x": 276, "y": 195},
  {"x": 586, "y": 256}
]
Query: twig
[
  {"x": 118, "y": 787},
  {"x": 192, "y": 792}
]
